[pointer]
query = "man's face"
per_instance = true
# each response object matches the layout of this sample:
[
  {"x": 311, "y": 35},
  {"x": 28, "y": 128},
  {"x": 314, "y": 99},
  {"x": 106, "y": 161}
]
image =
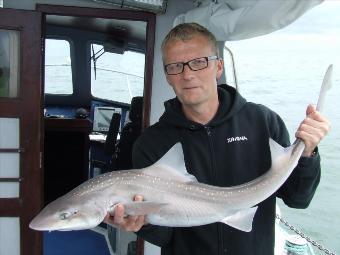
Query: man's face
[{"x": 193, "y": 87}]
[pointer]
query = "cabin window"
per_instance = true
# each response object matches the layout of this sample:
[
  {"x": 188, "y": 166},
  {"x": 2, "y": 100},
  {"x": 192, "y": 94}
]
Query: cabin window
[
  {"x": 58, "y": 71},
  {"x": 116, "y": 76},
  {"x": 9, "y": 63},
  {"x": 9, "y": 133},
  {"x": 9, "y": 165},
  {"x": 10, "y": 240},
  {"x": 9, "y": 161}
]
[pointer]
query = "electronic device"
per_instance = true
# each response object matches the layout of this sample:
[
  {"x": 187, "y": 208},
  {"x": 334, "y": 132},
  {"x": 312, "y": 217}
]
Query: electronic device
[{"x": 102, "y": 117}]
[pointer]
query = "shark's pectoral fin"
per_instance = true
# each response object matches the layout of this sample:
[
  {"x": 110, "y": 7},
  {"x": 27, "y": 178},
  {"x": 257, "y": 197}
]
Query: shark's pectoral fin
[
  {"x": 143, "y": 207},
  {"x": 242, "y": 220}
]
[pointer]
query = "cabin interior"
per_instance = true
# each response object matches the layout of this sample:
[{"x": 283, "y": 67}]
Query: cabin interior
[{"x": 84, "y": 116}]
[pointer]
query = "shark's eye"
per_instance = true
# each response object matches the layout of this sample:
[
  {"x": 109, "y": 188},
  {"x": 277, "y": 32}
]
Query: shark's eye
[{"x": 66, "y": 215}]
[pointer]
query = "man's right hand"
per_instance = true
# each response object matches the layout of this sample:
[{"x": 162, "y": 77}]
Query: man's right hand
[{"x": 127, "y": 223}]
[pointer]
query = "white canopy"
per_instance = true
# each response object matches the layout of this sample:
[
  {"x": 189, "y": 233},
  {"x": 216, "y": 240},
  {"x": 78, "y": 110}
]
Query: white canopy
[{"x": 242, "y": 19}]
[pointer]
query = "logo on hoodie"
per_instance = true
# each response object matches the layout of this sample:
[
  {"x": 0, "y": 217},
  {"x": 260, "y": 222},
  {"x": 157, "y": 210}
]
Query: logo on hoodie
[{"x": 236, "y": 139}]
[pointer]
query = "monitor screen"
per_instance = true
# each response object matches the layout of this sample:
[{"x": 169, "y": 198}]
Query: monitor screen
[{"x": 102, "y": 117}]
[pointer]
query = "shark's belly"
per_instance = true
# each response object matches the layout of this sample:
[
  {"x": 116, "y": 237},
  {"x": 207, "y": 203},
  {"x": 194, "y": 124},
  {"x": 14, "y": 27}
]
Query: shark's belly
[{"x": 188, "y": 213}]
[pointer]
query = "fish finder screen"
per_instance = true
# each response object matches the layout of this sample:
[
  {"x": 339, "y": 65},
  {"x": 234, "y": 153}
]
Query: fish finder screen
[{"x": 102, "y": 118}]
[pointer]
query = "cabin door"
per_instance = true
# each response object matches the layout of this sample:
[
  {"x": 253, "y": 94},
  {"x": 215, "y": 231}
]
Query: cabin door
[{"x": 20, "y": 131}]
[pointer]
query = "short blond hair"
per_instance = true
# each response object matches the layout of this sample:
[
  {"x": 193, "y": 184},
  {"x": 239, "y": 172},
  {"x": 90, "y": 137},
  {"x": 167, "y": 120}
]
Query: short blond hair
[{"x": 186, "y": 31}]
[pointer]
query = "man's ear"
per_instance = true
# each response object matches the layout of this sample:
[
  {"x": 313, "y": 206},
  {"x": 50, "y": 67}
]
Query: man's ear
[{"x": 219, "y": 68}]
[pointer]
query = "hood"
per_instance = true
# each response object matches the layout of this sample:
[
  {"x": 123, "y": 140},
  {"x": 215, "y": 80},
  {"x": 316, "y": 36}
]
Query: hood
[{"x": 231, "y": 102}]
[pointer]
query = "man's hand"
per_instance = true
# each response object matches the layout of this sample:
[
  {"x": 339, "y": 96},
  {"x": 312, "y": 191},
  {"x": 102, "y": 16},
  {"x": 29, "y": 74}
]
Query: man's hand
[
  {"x": 127, "y": 223},
  {"x": 312, "y": 130}
]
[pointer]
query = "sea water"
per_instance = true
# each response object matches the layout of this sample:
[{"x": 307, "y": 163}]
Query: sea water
[{"x": 285, "y": 73}]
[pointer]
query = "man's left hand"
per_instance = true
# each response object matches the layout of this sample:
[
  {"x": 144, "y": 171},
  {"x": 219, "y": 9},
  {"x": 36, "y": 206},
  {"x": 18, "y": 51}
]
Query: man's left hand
[{"x": 312, "y": 130}]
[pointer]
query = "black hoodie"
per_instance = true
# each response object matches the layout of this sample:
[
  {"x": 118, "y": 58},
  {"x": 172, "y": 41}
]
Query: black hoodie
[{"x": 231, "y": 149}]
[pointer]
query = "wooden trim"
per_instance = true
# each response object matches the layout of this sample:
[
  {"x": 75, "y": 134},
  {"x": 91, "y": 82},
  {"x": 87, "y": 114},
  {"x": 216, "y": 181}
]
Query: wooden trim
[
  {"x": 94, "y": 12},
  {"x": 140, "y": 246},
  {"x": 150, "y": 44},
  {"x": 10, "y": 179},
  {"x": 6, "y": 150},
  {"x": 10, "y": 108},
  {"x": 10, "y": 207},
  {"x": 68, "y": 124},
  {"x": 31, "y": 189}
]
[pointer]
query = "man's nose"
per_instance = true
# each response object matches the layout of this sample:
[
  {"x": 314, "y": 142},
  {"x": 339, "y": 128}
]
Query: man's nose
[{"x": 187, "y": 72}]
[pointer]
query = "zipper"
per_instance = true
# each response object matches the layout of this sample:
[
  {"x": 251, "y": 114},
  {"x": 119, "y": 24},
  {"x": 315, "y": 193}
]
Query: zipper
[
  {"x": 208, "y": 130},
  {"x": 221, "y": 249},
  {"x": 212, "y": 153},
  {"x": 220, "y": 240},
  {"x": 211, "y": 147}
]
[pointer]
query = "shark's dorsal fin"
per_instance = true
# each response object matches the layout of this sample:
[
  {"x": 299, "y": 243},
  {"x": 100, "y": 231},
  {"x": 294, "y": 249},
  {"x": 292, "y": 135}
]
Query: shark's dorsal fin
[{"x": 171, "y": 166}]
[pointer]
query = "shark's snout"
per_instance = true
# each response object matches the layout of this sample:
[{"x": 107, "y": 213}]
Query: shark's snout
[
  {"x": 38, "y": 223},
  {"x": 57, "y": 216}
]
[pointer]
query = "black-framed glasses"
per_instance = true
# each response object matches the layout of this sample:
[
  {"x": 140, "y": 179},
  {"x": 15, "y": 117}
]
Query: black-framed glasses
[{"x": 194, "y": 65}]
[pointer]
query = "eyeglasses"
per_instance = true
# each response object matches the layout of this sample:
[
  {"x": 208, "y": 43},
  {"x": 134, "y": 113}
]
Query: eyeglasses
[{"x": 194, "y": 65}]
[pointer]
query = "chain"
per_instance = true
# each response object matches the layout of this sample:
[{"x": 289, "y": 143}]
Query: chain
[{"x": 307, "y": 238}]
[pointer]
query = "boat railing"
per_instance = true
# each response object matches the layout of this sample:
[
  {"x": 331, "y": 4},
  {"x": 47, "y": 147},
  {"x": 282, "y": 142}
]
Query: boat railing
[
  {"x": 309, "y": 240},
  {"x": 233, "y": 66}
]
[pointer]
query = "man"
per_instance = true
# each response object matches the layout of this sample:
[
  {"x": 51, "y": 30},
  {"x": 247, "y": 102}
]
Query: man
[{"x": 205, "y": 118}]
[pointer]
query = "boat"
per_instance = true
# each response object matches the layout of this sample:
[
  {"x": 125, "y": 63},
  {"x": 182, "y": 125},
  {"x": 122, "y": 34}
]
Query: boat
[{"x": 71, "y": 73}]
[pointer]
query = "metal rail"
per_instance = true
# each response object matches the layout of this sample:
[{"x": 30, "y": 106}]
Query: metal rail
[
  {"x": 304, "y": 236},
  {"x": 233, "y": 65}
]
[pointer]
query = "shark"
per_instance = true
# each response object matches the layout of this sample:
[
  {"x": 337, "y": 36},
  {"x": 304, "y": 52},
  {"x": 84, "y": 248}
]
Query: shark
[{"x": 172, "y": 197}]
